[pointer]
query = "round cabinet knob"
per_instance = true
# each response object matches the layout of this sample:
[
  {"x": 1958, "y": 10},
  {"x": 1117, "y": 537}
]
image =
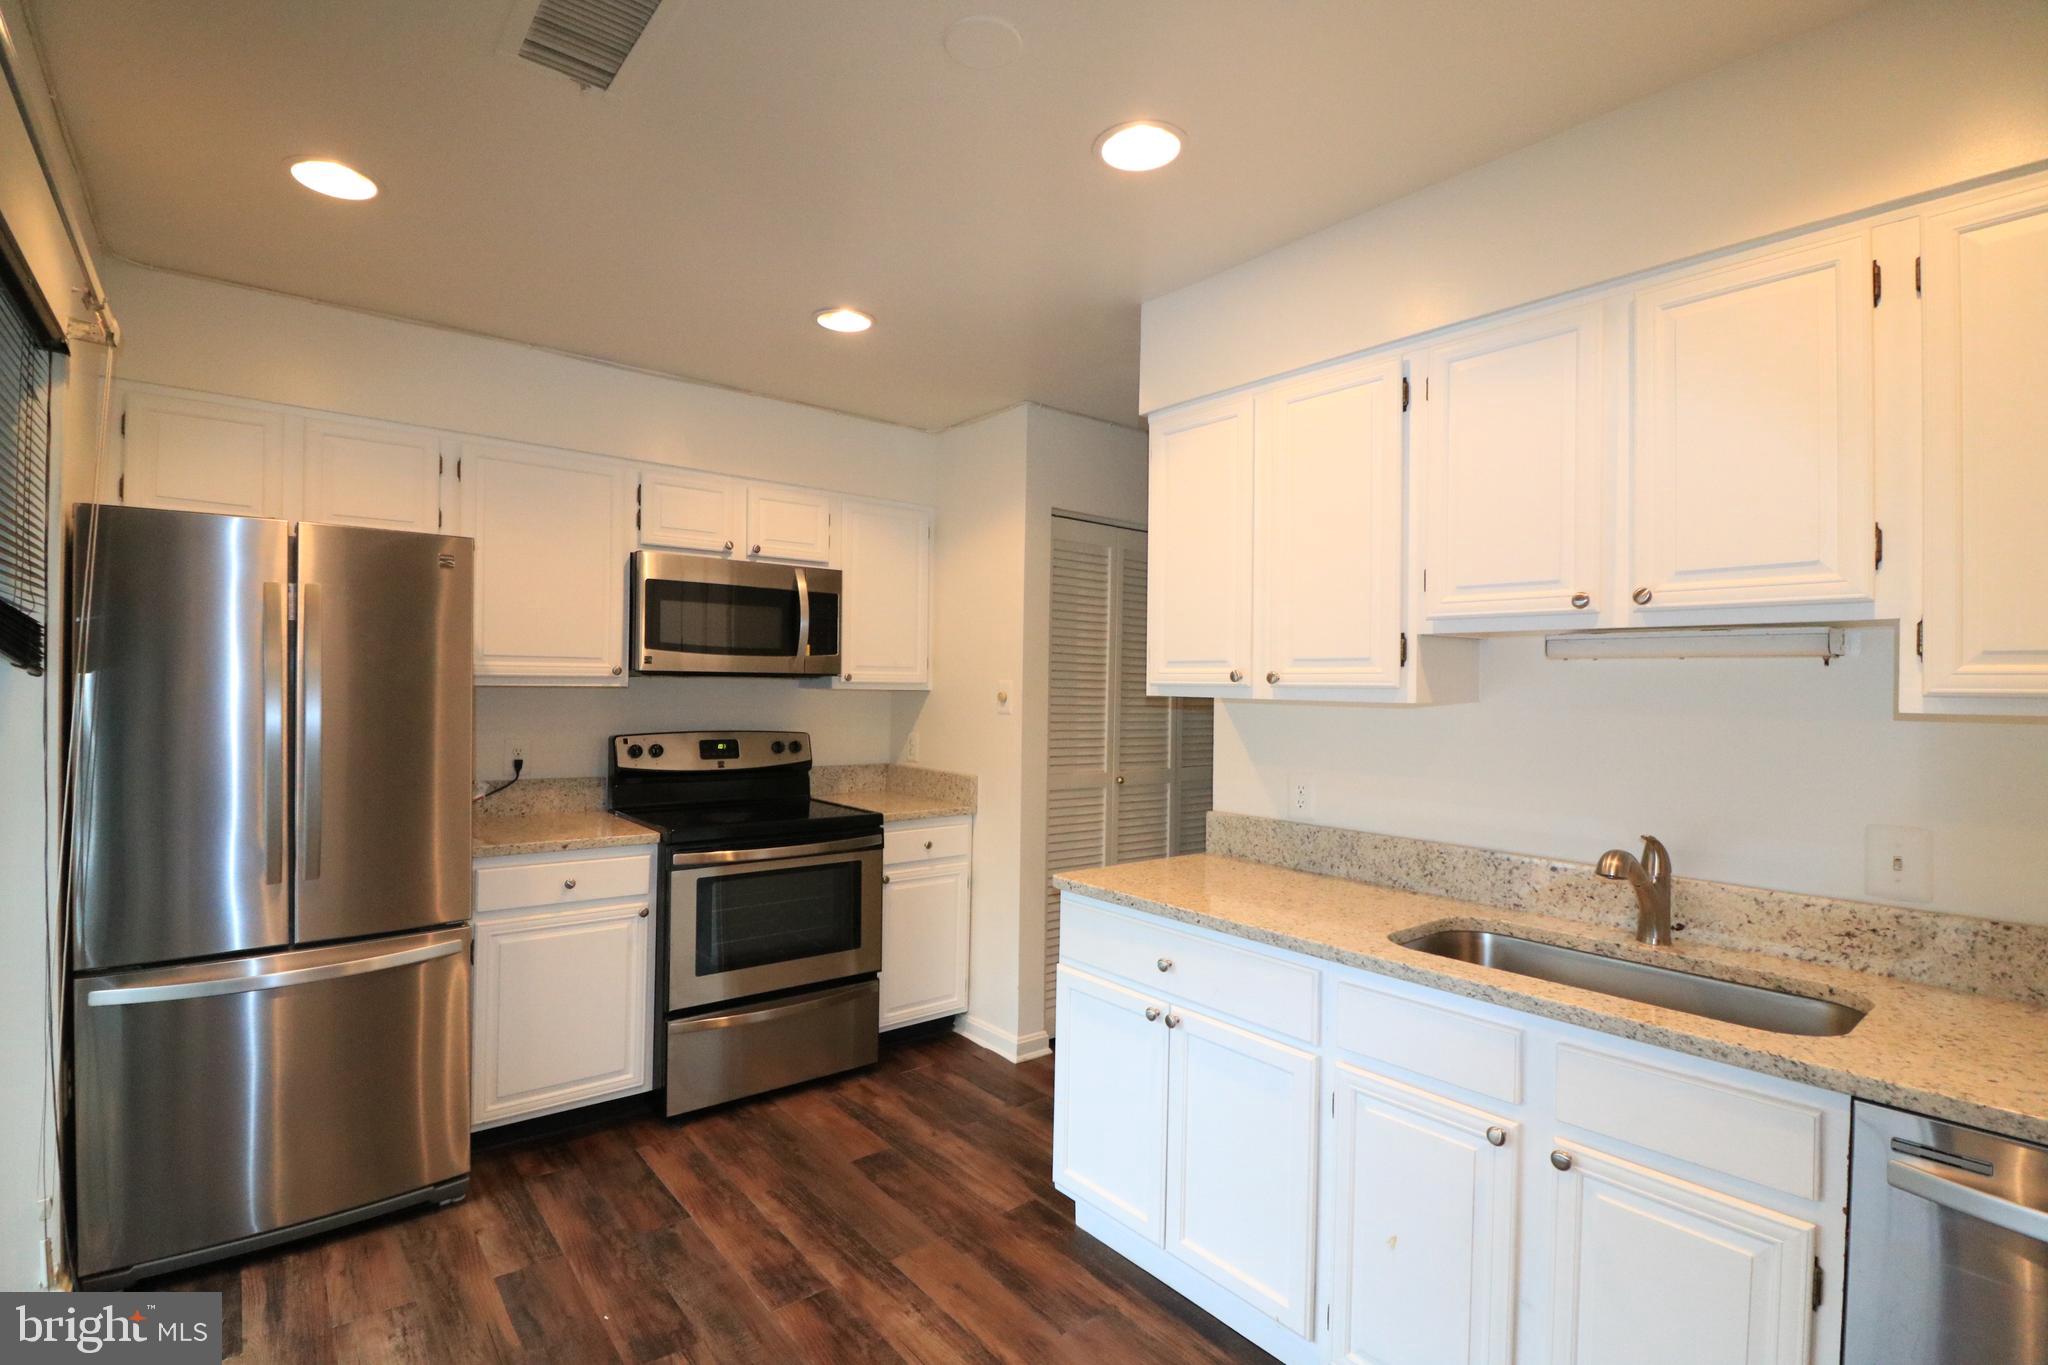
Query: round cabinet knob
[
  {"x": 1165, "y": 964},
  {"x": 643, "y": 912},
  {"x": 616, "y": 670},
  {"x": 1173, "y": 1021},
  {"x": 1119, "y": 779},
  {"x": 927, "y": 843},
  {"x": 1561, "y": 1160},
  {"x": 1151, "y": 1013},
  {"x": 1272, "y": 677},
  {"x": 1237, "y": 675},
  {"x": 755, "y": 550},
  {"x": 846, "y": 677},
  {"x": 1581, "y": 600},
  {"x": 569, "y": 884},
  {"x": 885, "y": 879},
  {"x": 1497, "y": 1136},
  {"x": 1642, "y": 596},
  {"x": 728, "y": 547}
]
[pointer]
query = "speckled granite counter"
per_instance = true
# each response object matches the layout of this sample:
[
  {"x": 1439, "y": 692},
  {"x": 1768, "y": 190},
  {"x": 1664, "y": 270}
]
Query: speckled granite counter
[
  {"x": 896, "y": 791},
  {"x": 550, "y": 815},
  {"x": 1975, "y": 1059}
]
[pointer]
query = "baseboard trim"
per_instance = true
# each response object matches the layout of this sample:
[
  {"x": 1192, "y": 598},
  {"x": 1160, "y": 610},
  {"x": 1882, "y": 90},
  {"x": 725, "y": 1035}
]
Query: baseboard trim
[{"x": 1009, "y": 1046}]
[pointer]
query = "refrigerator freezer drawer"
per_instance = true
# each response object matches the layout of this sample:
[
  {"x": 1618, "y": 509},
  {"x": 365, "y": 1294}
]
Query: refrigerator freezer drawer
[{"x": 219, "y": 1101}]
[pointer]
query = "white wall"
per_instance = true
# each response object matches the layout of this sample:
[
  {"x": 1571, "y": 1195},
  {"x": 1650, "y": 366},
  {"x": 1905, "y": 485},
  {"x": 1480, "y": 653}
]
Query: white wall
[
  {"x": 1895, "y": 101},
  {"x": 1758, "y": 772}
]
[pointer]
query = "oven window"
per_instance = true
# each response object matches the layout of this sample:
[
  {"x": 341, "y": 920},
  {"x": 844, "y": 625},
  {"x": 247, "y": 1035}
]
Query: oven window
[
  {"x": 753, "y": 919},
  {"x": 720, "y": 618}
]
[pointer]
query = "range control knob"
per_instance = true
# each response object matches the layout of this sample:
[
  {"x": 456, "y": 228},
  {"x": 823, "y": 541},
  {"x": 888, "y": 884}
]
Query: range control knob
[
  {"x": 654, "y": 751},
  {"x": 633, "y": 751},
  {"x": 796, "y": 746},
  {"x": 777, "y": 747}
]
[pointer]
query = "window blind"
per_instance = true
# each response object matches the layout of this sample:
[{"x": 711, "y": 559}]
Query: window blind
[{"x": 25, "y": 368}]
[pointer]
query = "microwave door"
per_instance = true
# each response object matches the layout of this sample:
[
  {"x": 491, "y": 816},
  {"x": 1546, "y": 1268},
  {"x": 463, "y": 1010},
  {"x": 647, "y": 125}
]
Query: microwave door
[{"x": 695, "y": 614}]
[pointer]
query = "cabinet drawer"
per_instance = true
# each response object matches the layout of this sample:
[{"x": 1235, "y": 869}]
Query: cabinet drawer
[
  {"x": 1442, "y": 1044},
  {"x": 562, "y": 882},
  {"x": 1771, "y": 1141},
  {"x": 926, "y": 843},
  {"x": 1260, "y": 990}
]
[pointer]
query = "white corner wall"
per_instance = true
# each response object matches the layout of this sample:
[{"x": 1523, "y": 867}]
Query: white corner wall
[
  {"x": 1758, "y": 772},
  {"x": 1897, "y": 100}
]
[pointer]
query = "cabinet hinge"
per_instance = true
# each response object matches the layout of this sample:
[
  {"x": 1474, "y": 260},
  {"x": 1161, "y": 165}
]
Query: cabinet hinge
[
  {"x": 1880, "y": 546},
  {"x": 121, "y": 486},
  {"x": 458, "y": 470},
  {"x": 124, "y": 424},
  {"x": 1920, "y": 638},
  {"x": 1876, "y": 284},
  {"x": 438, "y": 522},
  {"x": 1404, "y": 393},
  {"x": 1327, "y": 1310},
  {"x": 1916, "y": 277},
  {"x": 1425, "y": 580},
  {"x": 1819, "y": 1277},
  {"x": 638, "y": 489},
  {"x": 1404, "y": 649},
  {"x": 636, "y": 518},
  {"x": 440, "y": 464}
]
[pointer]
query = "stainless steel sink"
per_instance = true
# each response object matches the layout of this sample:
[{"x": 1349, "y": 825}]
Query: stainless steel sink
[{"x": 1731, "y": 1002}]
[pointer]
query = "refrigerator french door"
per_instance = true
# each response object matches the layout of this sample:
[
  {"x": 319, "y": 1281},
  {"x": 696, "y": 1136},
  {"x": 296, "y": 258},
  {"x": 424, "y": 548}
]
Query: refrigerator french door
[{"x": 270, "y": 993}]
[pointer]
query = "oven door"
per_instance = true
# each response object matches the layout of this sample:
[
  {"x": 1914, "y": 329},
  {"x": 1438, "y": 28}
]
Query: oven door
[
  {"x": 766, "y": 919},
  {"x": 695, "y": 614}
]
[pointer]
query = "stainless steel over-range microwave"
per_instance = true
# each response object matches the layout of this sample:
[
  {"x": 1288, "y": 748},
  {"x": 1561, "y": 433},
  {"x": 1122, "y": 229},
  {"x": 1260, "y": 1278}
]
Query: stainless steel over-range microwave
[{"x": 704, "y": 614}]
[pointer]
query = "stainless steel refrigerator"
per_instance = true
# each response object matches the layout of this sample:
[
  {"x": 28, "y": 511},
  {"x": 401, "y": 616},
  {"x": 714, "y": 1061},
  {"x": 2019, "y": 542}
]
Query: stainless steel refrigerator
[{"x": 270, "y": 948}]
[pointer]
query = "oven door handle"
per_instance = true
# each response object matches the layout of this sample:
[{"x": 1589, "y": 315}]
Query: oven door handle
[
  {"x": 1929, "y": 1182},
  {"x": 764, "y": 855}
]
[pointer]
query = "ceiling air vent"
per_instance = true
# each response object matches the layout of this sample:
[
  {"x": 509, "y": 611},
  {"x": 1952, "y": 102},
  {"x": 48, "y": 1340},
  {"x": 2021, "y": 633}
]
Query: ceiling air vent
[{"x": 586, "y": 40}]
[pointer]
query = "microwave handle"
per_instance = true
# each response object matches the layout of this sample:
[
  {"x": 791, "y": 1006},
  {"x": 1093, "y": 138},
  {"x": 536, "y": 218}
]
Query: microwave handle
[{"x": 803, "y": 614}]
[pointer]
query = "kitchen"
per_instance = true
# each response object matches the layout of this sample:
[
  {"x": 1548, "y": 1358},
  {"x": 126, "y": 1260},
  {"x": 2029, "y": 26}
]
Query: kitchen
[{"x": 622, "y": 816}]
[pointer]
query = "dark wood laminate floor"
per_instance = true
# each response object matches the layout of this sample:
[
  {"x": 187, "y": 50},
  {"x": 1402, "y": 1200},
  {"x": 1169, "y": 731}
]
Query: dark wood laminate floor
[{"x": 905, "y": 1212}]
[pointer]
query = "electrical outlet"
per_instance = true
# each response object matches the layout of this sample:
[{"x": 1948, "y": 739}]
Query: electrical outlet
[
  {"x": 910, "y": 747},
  {"x": 516, "y": 754},
  {"x": 1896, "y": 862},
  {"x": 1301, "y": 796}
]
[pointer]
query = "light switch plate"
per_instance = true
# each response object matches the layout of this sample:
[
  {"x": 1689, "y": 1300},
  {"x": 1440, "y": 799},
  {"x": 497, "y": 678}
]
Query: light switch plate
[
  {"x": 1006, "y": 696},
  {"x": 1896, "y": 863}
]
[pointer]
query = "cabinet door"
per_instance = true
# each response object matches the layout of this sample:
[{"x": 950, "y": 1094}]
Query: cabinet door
[
  {"x": 368, "y": 474},
  {"x": 1199, "y": 630},
  {"x": 1109, "y": 1101},
  {"x": 1330, "y": 530},
  {"x": 1512, "y": 444},
  {"x": 1241, "y": 1162},
  {"x": 885, "y": 552},
  {"x": 551, "y": 542},
  {"x": 924, "y": 943},
  {"x": 564, "y": 1008},
  {"x": 1424, "y": 1227},
  {"x": 1986, "y": 448},
  {"x": 197, "y": 455},
  {"x": 789, "y": 523},
  {"x": 1649, "y": 1267},
  {"x": 685, "y": 510},
  {"x": 1753, "y": 465}
]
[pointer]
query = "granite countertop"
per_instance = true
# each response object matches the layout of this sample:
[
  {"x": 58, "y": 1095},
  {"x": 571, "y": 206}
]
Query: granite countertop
[
  {"x": 901, "y": 805},
  {"x": 1974, "y": 1059},
  {"x": 499, "y": 834},
  {"x": 896, "y": 791}
]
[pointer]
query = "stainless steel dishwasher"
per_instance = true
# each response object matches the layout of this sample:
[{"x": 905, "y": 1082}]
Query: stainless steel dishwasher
[{"x": 1948, "y": 1244}]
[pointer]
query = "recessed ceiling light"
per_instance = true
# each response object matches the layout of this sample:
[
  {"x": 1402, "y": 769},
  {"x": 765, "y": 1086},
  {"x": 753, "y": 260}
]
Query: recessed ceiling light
[
  {"x": 334, "y": 180},
  {"x": 1143, "y": 145},
  {"x": 844, "y": 320}
]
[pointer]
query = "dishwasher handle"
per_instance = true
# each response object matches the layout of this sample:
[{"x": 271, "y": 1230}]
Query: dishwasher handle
[{"x": 1930, "y": 1182}]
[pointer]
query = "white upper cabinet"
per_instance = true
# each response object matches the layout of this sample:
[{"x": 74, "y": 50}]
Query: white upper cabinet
[
  {"x": 372, "y": 474},
  {"x": 1199, "y": 621},
  {"x": 552, "y": 531},
  {"x": 885, "y": 554},
  {"x": 1753, "y": 469},
  {"x": 197, "y": 455},
  {"x": 1985, "y": 452},
  {"x": 1511, "y": 444},
  {"x": 683, "y": 510},
  {"x": 1728, "y": 1282},
  {"x": 1330, "y": 532},
  {"x": 789, "y": 523}
]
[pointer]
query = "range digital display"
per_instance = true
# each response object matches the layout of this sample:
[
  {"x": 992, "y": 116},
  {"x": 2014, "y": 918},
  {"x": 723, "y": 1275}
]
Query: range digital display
[{"x": 718, "y": 748}]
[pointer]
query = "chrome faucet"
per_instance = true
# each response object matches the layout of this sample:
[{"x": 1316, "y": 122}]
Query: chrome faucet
[{"x": 1651, "y": 877}]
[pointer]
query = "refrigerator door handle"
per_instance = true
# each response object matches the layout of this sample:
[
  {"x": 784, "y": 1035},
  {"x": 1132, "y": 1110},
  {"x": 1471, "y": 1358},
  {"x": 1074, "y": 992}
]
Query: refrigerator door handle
[
  {"x": 311, "y": 718},
  {"x": 143, "y": 992},
  {"x": 273, "y": 732}
]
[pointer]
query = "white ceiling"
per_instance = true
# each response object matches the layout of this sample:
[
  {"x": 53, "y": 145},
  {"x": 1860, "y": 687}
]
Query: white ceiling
[{"x": 757, "y": 161}]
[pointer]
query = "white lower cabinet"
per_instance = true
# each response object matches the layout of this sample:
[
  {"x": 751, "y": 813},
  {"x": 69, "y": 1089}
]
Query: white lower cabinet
[
  {"x": 925, "y": 902},
  {"x": 1650, "y": 1267},
  {"x": 1491, "y": 1186},
  {"x": 563, "y": 991},
  {"x": 1422, "y": 1233}
]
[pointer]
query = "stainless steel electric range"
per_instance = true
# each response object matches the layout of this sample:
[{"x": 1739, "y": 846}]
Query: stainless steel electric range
[{"x": 770, "y": 934}]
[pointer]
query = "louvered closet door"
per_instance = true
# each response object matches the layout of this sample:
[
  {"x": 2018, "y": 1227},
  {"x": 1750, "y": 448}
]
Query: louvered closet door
[{"x": 1127, "y": 775}]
